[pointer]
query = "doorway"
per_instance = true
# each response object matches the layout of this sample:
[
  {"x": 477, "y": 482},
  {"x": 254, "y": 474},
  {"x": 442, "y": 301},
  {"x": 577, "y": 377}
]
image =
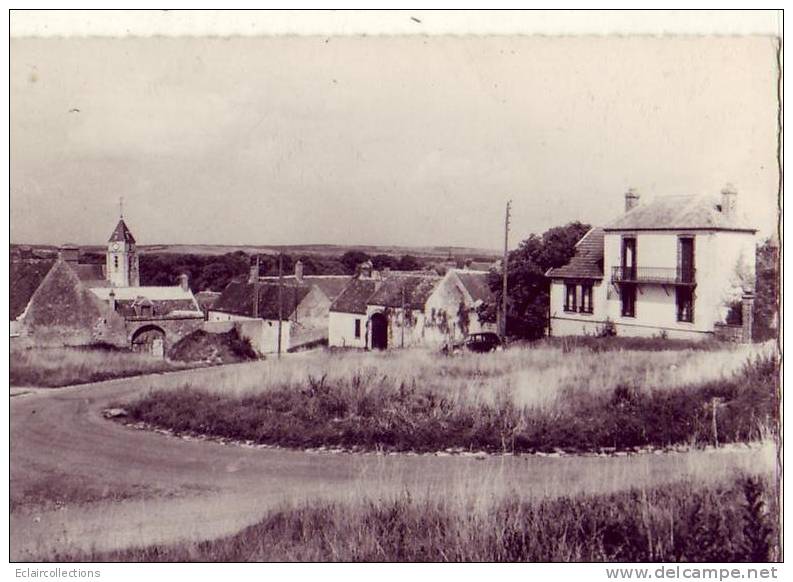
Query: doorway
[{"x": 379, "y": 331}]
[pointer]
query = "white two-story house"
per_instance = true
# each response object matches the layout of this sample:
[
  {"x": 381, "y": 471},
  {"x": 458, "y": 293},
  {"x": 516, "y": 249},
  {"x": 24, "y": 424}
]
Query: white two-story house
[{"x": 679, "y": 267}]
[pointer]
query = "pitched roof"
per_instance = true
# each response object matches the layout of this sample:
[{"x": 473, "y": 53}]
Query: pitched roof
[
  {"x": 408, "y": 290},
  {"x": 24, "y": 278},
  {"x": 475, "y": 282},
  {"x": 63, "y": 301},
  {"x": 330, "y": 285},
  {"x": 354, "y": 296},
  {"x": 163, "y": 300},
  {"x": 587, "y": 262},
  {"x": 121, "y": 233},
  {"x": 90, "y": 274},
  {"x": 237, "y": 299},
  {"x": 680, "y": 212}
]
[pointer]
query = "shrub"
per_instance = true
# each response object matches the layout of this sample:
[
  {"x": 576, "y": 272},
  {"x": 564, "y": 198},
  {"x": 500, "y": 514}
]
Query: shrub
[{"x": 371, "y": 412}]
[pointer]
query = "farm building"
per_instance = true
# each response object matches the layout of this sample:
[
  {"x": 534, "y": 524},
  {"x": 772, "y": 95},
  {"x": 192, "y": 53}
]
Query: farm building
[
  {"x": 254, "y": 307},
  {"x": 68, "y": 303},
  {"x": 405, "y": 309},
  {"x": 679, "y": 266}
]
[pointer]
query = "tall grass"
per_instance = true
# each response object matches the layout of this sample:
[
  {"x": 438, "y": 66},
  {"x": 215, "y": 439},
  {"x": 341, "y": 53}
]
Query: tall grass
[
  {"x": 727, "y": 522},
  {"x": 55, "y": 367},
  {"x": 480, "y": 404}
]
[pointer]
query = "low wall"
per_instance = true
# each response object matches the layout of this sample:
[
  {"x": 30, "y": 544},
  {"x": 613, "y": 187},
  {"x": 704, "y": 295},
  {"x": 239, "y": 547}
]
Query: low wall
[{"x": 725, "y": 332}]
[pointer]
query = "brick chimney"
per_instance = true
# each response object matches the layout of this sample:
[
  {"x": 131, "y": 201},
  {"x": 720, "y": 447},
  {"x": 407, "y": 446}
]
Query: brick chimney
[
  {"x": 184, "y": 282},
  {"x": 253, "y": 277},
  {"x": 299, "y": 271},
  {"x": 728, "y": 199},
  {"x": 69, "y": 253},
  {"x": 631, "y": 199}
]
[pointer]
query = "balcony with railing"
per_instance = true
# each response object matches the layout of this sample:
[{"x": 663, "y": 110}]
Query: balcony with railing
[{"x": 653, "y": 275}]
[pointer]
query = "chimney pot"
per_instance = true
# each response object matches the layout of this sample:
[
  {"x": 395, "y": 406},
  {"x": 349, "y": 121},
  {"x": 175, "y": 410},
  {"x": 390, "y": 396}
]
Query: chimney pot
[
  {"x": 184, "y": 282},
  {"x": 631, "y": 199},
  {"x": 728, "y": 199}
]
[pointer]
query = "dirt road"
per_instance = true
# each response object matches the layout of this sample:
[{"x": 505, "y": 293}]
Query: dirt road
[{"x": 135, "y": 487}]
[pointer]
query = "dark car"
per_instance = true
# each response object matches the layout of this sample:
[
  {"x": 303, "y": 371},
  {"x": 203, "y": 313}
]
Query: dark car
[{"x": 483, "y": 342}]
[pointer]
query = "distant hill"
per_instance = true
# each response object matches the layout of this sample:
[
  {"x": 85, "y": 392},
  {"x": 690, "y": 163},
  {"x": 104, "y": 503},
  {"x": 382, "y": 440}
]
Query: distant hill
[{"x": 326, "y": 250}]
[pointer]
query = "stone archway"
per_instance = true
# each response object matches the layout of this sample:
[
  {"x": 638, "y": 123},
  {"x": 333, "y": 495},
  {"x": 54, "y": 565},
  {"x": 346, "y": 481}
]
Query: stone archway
[
  {"x": 149, "y": 339},
  {"x": 379, "y": 323}
]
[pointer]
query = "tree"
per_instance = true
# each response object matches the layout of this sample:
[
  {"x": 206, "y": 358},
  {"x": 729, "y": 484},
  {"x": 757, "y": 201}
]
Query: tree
[
  {"x": 351, "y": 260},
  {"x": 409, "y": 263},
  {"x": 528, "y": 296},
  {"x": 766, "y": 303},
  {"x": 380, "y": 262}
]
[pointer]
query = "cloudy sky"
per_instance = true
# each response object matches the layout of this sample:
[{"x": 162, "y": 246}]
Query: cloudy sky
[{"x": 402, "y": 140}]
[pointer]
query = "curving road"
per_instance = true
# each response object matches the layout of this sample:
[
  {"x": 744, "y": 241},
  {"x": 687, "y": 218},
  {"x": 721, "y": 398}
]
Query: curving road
[{"x": 136, "y": 487}]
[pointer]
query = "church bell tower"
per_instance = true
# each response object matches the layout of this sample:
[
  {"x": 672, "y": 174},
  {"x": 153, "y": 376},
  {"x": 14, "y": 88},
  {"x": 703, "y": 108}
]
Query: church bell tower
[{"x": 122, "y": 257}]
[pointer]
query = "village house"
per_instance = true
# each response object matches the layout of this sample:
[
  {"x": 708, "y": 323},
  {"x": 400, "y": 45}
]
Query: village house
[
  {"x": 256, "y": 306},
  {"x": 679, "y": 267},
  {"x": 65, "y": 302},
  {"x": 406, "y": 309}
]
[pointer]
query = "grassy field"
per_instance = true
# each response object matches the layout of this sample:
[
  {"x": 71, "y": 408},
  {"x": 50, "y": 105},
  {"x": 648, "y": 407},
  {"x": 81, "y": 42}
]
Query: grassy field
[
  {"x": 732, "y": 521},
  {"x": 540, "y": 398},
  {"x": 55, "y": 367}
]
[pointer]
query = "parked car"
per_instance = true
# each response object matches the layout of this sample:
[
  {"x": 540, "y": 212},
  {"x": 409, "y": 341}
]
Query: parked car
[
  {"x": 476, "y": 342},
  {"x": 483, "y": 342}
]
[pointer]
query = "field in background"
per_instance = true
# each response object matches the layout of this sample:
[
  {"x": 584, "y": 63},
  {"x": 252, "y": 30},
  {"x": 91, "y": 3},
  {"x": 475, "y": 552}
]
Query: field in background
[
  {"x": 539, "y": 398},
  {"x": 732, "y": 521}
]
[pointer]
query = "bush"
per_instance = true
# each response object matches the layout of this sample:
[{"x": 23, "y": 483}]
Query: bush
[
  {"x": 216, "y": 348},
  {"x": 369, "y": 412}
]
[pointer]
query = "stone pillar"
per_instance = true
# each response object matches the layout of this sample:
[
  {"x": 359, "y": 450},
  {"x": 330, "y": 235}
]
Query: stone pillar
[{"x": 747, "y": 317}]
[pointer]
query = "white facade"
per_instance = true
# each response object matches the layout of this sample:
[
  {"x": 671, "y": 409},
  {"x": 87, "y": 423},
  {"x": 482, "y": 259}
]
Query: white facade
[
  {"x": 347, "y": 330},
  {"x": 447, "y": 315},
  {"x": 724, "y": 263},
  {"x": 262, "y": 333}
]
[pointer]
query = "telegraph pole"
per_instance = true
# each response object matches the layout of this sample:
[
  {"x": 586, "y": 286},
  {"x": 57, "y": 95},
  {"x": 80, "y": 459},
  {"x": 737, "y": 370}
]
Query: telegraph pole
[
  {"x": 505, "y": 268},
  {"x": 280, "y": 298}
]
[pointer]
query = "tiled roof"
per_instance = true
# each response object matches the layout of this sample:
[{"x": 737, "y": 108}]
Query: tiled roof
[
  {"x": 24, "y": 278},
  {"x": 172, "y": 293},
  {"x": 132, "y": 307},
  {"x": 91, "y": 275},
  {"x": 587, "y": 262},
  {"x": 408, "y": 290},
  {"x": 476, "y": 284},
  {"x": 680, "y": 212},
  {"x": 330, "y": 285},
  {"x": 121, "y": 233},
  {"x": 354, "y": 296},
  {"x": 237, "y": 299}
]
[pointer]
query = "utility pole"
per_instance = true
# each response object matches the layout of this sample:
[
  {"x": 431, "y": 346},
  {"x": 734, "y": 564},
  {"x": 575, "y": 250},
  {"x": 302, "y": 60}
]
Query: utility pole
[
  {"x": 403, "y": 315},
  {"x": 280, "y": 298},
  {"x": 505, "y": 268}
]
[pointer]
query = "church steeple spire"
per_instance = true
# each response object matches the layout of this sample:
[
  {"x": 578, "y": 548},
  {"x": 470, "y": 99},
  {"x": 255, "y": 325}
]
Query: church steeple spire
[{"x": 122, "y": 256}]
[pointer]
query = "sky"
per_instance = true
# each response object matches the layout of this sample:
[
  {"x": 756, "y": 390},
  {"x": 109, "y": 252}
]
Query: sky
[{"x": 379, "y": 140}]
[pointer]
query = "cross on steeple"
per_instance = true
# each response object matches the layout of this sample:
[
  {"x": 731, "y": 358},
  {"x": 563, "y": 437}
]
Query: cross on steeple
[{"x": 121, "y": 206}]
